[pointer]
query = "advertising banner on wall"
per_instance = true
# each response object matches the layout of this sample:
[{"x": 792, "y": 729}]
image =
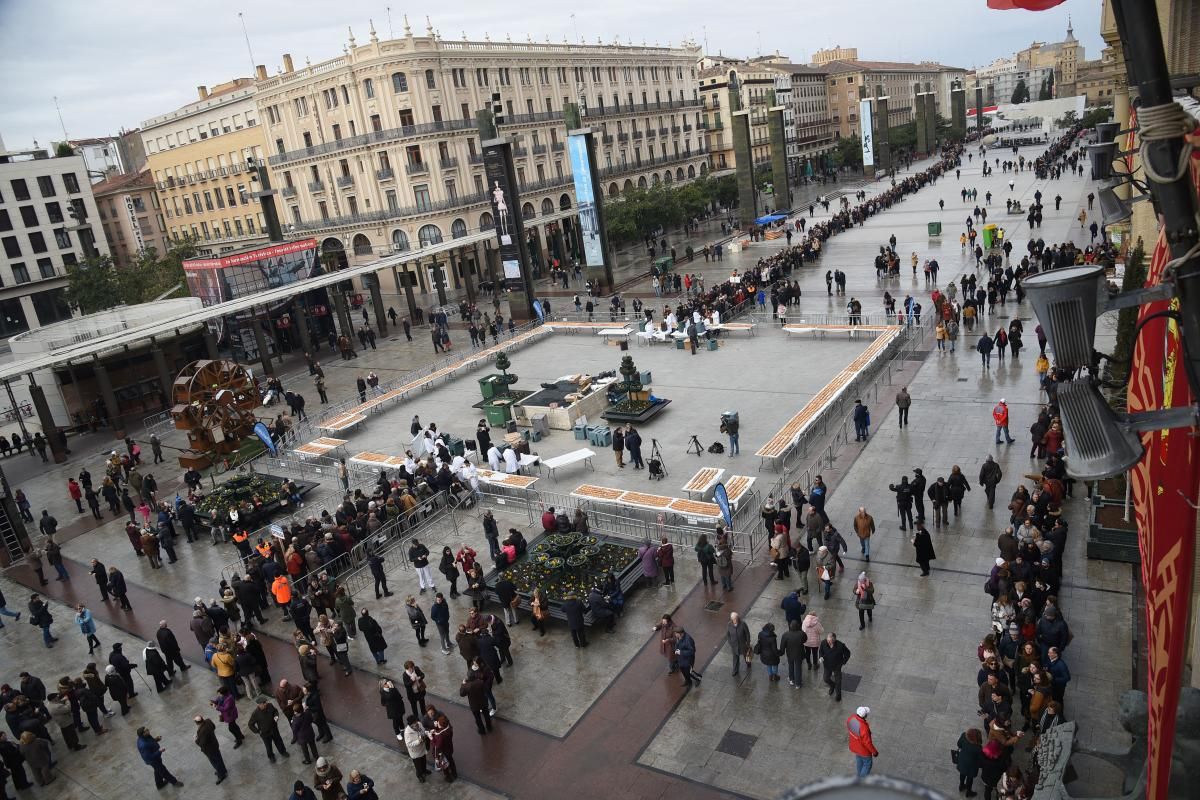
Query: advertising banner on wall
[
  {"x": 867, "y": 133},
  {"x": 506, "y": 209},
  {"x": 590, "y": 235}
]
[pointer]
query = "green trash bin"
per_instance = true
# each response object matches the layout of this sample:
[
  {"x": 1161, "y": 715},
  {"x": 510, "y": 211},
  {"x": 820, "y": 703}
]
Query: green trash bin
[
  {"x": 935, "y": 229},
  {"x": 498, "y": 414}
]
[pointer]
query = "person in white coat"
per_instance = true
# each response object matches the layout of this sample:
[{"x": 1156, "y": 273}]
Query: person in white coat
[
  {"x": 493, "y": 457},
  {"x": 512, "y": 462}
]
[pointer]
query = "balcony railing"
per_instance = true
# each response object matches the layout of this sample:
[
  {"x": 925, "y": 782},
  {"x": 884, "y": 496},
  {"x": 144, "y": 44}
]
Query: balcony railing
[
  {"x": 374, "y": 137},
  {"x": 557, "y": 147},
  {"x": 448, "y": 163},
  {"x": 622, "y": 137},
  {"x": 288, "y": 191},
  {"x": 476, "y": 158},
  {"x": 648, "y": 162},
  {"x": 607, "y": 138},
  {"x": 640, "y": 108},
  {"x": 399, "y": 212},
  {"x": 520, "y": 152},
  {"x": 384, "y": 174},
  {"x": 637, "y": 135},
  {"x": 651, "y": 133},
  {"x": 537, "y": 116},
  {"x": 662, "y": 131},
  {"x": 417, "y": 168},
  {"x": 539, "y": 149},
  {"x": 674, "y": 129},
  {"x": 345, "y": 181},
  {"x": 316, "y": 186},
  {"x": 687, "y": 126}
]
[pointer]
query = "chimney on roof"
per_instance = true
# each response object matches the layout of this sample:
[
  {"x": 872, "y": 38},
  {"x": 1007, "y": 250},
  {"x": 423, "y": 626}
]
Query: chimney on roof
[
  {"x": 260, "y": 72},
  {"x": 287, "y": 63},
  {"x": 202, "y": 91}
]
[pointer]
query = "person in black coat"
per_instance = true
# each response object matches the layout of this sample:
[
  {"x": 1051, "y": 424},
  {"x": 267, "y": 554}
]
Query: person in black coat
[
  {"x": 373, "y": 633},
  {"x": 117, "y": 587},
  {"x": 957, "y": 482},
  {"x": 117, "y": 689},
  {"x": 124, "y": 668},
  {"x": 602, "y": 610},
  {"x": 156, "y": 667},
  {"x": 904, "y": 501},
  {"x": 833, "y": 655},
  {"x": 489, "y": 655},
  {"x": 169, "y": 646},
  {"x": 100, "y": 573},
  {"x": 939, "y": 496},
  {"x": 14, "y": 762},
  {"x": 303, "y": 734},
  {"x": 484, "y": 437},
  {"x": 413, "y": 679},
  {"x": 474, "y": 688},
  {"x": 792, "y": 645},
  {"x": 924, "y": 547},
  {"x": 574, "y": 610},
  {"x": 767, "y": 649},
  {"x": 502, "y": 639},
  {"x": 918, "y": 490},
  {"x": 393, "y": 703}
]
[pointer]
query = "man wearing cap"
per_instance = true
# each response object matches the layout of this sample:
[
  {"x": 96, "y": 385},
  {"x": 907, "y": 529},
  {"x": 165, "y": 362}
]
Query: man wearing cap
[
  {"x": 206, "y": 740},
  {"x": 1000, "y": 417},
  {"x": 860, "y": 741}
]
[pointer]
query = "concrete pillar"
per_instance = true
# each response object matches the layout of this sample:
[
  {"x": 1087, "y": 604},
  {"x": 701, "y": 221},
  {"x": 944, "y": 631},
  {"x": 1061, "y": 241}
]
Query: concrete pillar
[
  {"x": 456, "y": 267},
  {"x": 49, "y": 429},
  {"x": 109, "y": 397},
  {"x": 978, "y": 108},
  {"x": 343, "y": 314},
  {"x": 468, "y": 281},
  {"x": 300, "y": 323},
  {"x": 377, "y": 303},
  {"x": 1121, "y": 117},
  {"x": 560, "y": 244},
  {"x": 439, "y": 281},
  {"x": 164, "y": 375},
  {"x": 210, "y": 344},
  {"x": 931, "y": 118},
  {"x": 408, "y": 294},
  {"x": 260, "y": 338},
  {"x": 919, "y": 119}
]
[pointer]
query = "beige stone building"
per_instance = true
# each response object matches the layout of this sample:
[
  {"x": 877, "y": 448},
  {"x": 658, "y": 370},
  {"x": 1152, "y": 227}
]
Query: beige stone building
[
  {"x": 377, "y": 151},
  {"x": 1098, "y": 80},
  {"x": 824, "y": 57},
  {"x": 131, "y": 216},
  {"x": 896, "y": 78},
  {"x": 755, "y": 84},
  {"x": 197, "y": 155},
  {"x": 1065, "y": 58}
]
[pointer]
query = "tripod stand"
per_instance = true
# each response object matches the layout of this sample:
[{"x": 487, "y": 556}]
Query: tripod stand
[
  {"x": 694, "y": 446},
  {"x": 656, "y": 455}
]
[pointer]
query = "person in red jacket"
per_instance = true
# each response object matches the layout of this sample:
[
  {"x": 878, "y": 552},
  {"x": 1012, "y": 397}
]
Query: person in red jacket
[
  {"x": 76, "y": 493},
  {"x": 1000, "y": 417},
  {"x": 860, "y": 741}
]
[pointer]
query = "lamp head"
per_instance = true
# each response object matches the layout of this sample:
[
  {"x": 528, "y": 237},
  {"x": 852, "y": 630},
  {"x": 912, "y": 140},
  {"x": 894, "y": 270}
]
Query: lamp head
[
  {"x": 1107, "y": 131},
  {"x": 1067, "y": 302},
  {"x": 1098, "y": 444},
  {"x": 1101, "y": 157}
]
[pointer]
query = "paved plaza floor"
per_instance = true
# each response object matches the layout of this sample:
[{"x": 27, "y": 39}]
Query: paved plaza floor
[{"x": 608, "y": 721}]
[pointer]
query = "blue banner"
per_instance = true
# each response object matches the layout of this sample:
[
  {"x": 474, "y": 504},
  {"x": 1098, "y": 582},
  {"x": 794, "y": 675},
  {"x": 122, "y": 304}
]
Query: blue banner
[
  {"x": 721, "y": 497},
  {"x": 260, "y": 430}
]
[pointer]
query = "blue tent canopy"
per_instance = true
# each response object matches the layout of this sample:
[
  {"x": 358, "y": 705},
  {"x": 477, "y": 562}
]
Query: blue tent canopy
[{"x": 769, "y": 218}]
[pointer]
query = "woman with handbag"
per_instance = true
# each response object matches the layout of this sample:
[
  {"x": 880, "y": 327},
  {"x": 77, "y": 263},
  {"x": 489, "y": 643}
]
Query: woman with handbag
[
  {"x": 443, "y": 749},
  {"x": 447, "y": 568},
  {"x": 707, "y": 558},
  {"x": 666, "y": 634},
  {"x": 864, "y": 600},
  {"x": 414, "y": 687},
  {"x": 540, "y": 608},
  {"x": 968, "y": 757}
]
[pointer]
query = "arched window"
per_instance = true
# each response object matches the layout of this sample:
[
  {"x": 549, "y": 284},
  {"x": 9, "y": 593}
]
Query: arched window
[
  {"x": 486, "y": 223},
  {"x": 333, "y": 254},
  {"x": 399, "y": 82},
  {"x": 527, "y": 211},
  {"x": 613, "y": 191},
  {"x": 369, "y": 88},
  {"x": 362, "y": 245},
  {"x": 429, "y": 234},
  {"x": 564, "y": 202},
  {"x": 679, "y": 174},
  {"x": 628, "y": 187},
  {"x": 458, "y": 229},
  {"x": 547, "y": 206},
  {"x": 691, "y": 170},
  {"x": 654, "y": 178},
  {"x": 430, "y": 83},
  {"x": 666, "y": 176},
  {"x": 400, "y": 241},
  {"x": 703, "y": 168}
]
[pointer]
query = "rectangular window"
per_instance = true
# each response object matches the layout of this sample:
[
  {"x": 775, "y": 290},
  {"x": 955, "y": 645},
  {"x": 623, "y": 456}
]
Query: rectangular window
[
  {"x": 208, "y": 204},
  {"x": 45, "y": 268},
  {"x": 187, "y": 205},
  {"x": 204, "y": 230},
  {"x": 421, "y": 196},
  {"x": 301, "y": 104},
  {"x": 5, "y": 222},
  {"x": 20, "y": 274},
  {"x": 12, "y": 248},
  {"x": 376, "y": 123},
  {"x": 451, "y": 191},
  {"x": 46, "y": 185},
  {"x": 250, "y": 223},
  {"x": 237, "y": 224},
  {"x": 392, "y": 203},
  {"x": 20, "y": 189},
  {"x": 69, "y": 259},
  {"x": 54, "y": 212},
  {"x": 323, "y": 209},
  {"x": 296, "y": 215},
  {"x": 37, "y": 242},
  {"x": 71, "y": 182},
  {"x": 217, "y": 196},
  {"x": 466, "y": 111},
  {"x": 228, "y": 228},
  {"x": 437, "y": 113},
  {"x": 406, "y": 118},
  {"x": 62, "y": 238},
  {"x": 230, "y": 197},
  {"x": 478, "y": 184},
  {"x": 29, "y": 216}
]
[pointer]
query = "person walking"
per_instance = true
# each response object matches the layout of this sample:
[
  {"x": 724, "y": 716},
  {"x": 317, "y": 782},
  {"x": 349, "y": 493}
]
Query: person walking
[
  {"x": 418, "y": 556},
  {"x": 415, "y": 739},
  {"x": 864, "y": 526},
  {"x": 152, "y": 754},
  {"x": 903, "y": 403},
  {"x": 439, "y": 612},
  {"x": 737, "y": 634},
  {"x": 990, "y": 476},
  {"x": 970, "y": 758},
  {"x": 1000, "y": 418},
  {"x": 39, "y": 615},
  {"x": 53, "y": 552},
  {"x": 685, "y": 657},
  {"x": 169, "y": 646},
  {"x": 475, "y": 689},
  {"x": 861, "y": 745},
  {"x": 206, "y": 740},
  {"x": 118, "y": 589},
  {"x": 87, "y": 626},
  {"x": 923, "y": 545},
  {"x": 833, "y": 655},
  {"x": 767, "y": 650},
  {"x": 864, "y": 600},
  {"x": 373, "y": 634},
  {"x": 156, "y": 666},
  {"x": 227, "y": 711}
]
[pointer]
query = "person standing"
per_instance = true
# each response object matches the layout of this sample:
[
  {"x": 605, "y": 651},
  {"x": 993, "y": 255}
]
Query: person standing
[
  {"x": 169, "y": 646},
  {"x": 416, "y": 618},
  {"x": 706, "y": 556},
  {"x": 76, "y": 493},
  {"x": 301, "y": 723},
  {"x": 373, "y": 633},
  {"x": 443, "y": 748},
  {"x": 418, "y": 555},
  {"x": 87, "y": 626},
  {"x": 618, "y": 446},
  {"x": 862, "y": 421},
  {"x": 767, "y": 648},
  {"x": 206, "y": 740},
  {"x": 37, "y": 754},
  {"x": 1000, "y": 417},
  {"x": 574, "y": 610},
  {"x": 151, "y": 752},
  {"x": 265, "y": 722},
  {"x": 415, "y": 742},
  {"x": 970, "y": 757},
  {"x": 730, "y": 425},
  {"x": 864, "y": 600},
  {"x": 227, "y": 711},
  {"x": 39, "y": 615},
  {"x": 923, "y": 545},
  {"x": 117, "y": 587},
  {"x": 491, "y": 532},
  {"x": 737, "y": 633},
  {"x": 666, "y": 560},
  {"x": 833, "y": 655},
  {"x": 64, "y": 717},
  {"x": 475, "y": 689},
  {"x": 48, "y": 526},
  {"x": 685, "y": 657},
  {"x": 792, "y": 644},
  {"x": 439, "y": 612},
  {"x": 861, "y": 745}
]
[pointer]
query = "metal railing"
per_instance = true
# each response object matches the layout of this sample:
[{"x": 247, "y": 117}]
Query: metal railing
[
  {"x": 155, "y": 423},
  {"x": 345, "y": 180},
  {"x": 385, "y": 174},
  {"x": 373, "y": 137}
]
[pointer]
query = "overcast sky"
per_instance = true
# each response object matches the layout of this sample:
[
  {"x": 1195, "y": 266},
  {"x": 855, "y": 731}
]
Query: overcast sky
[{"x": 114, "y": 63}]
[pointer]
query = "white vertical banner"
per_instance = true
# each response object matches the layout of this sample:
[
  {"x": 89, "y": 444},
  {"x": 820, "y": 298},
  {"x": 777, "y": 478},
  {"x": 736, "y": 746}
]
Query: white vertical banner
[
  {"x": 867, "y": 134},
  {"x": 133, "y": 223}
]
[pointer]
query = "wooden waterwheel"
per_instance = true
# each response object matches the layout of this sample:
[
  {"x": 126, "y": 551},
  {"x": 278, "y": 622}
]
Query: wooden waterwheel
[{"x": 214, "y": 402}]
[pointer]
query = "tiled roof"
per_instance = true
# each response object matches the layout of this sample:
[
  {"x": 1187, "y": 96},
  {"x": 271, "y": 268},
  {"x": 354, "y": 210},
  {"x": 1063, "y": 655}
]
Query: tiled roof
[{"x": 124, "y": 182}]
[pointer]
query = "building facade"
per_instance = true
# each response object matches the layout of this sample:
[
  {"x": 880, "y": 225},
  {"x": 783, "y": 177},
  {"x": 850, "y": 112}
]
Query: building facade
[
  {"x": 377, "y": 151},
  {"x": 835, "y": 53},
  {"x": 102, "y": 156},
  {"x": 754, "y": 85},
  {"x": 1062, "y": 58},
  {"x": 1099, "y": 79},
  {"x": 47, "y": 223},
  {"x": 844, "y": 78},
  {"x": 811, "y": 129},
  {"x": 131, "y": 216},
  {"x": 197, "y": 155}
]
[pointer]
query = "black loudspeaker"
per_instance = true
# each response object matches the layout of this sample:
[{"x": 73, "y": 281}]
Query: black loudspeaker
[{"x": 624, "y": 345}]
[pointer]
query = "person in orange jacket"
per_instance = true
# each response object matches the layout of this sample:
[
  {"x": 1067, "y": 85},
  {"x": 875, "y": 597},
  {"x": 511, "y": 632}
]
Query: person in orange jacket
[
  {"x": 281, "y": 588},
  {"x": 859, "y": 732}
]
